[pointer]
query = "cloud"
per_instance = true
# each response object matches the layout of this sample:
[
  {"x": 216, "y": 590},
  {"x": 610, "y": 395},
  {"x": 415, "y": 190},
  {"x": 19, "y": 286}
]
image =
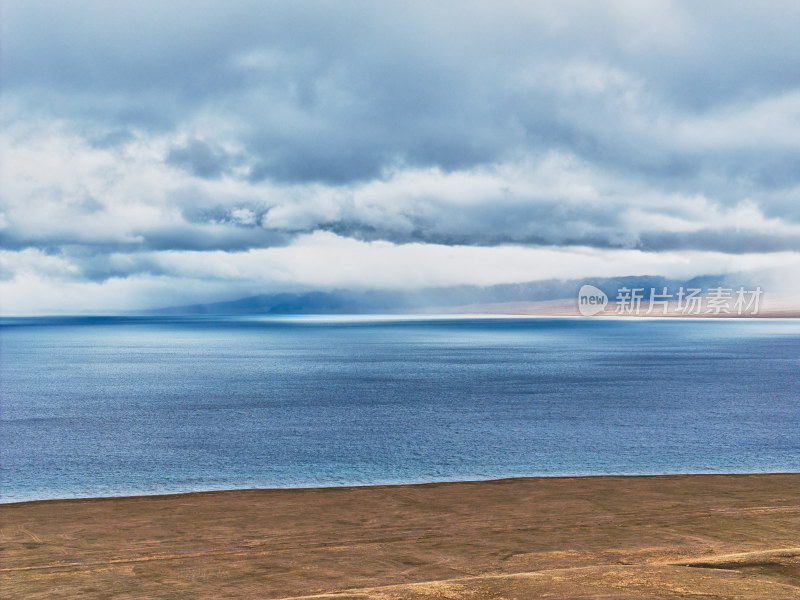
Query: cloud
[
  {"x": 324, "y": 261},
  {"x": 130, "y": 199},
  {"x": 135, "y": 131},
  {"x": 326, "y": 93},
  {"x": 200, "y": 159}
]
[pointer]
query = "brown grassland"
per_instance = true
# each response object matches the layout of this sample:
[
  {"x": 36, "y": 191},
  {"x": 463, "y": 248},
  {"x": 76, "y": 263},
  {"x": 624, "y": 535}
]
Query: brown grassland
[{"x": 686, "y": 536}]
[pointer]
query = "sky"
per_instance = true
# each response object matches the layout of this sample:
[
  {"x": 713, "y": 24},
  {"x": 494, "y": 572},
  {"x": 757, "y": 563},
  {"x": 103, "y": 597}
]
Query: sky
[{"x": 166, "y": 153}]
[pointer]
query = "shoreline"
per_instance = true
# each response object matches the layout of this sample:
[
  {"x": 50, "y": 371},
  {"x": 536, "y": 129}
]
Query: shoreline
[
  {"x": 611, "y": 536},
  {"x": 401, "y": 484}
]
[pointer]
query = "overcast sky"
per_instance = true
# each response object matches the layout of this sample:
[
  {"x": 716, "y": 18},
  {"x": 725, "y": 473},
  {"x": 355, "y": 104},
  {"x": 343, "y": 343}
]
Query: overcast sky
[{"x": 162, "y": 153}]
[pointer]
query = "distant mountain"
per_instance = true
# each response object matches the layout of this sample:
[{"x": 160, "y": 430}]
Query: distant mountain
[{"x": 432, "y": 299}]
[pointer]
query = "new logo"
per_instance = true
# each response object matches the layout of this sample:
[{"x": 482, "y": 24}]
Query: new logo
[{"x": 591, "y": 300}]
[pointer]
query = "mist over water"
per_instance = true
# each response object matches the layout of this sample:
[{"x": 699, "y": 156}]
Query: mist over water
[{"x": 117, "y": 406}]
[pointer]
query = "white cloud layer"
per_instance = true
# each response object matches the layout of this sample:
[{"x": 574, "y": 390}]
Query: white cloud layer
[{"x": 46, "y": 284}]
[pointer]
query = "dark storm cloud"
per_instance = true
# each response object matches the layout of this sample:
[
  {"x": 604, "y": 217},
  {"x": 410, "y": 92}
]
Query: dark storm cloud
[
  {"x": 216, "y": 237},
  {"x": 731, "y": 241},
  {"x": 542, "y": 223},
  {"x": 204, "y": 160},
  {"x": 188, "y": 236},
  {"x": 555, "y": 225},
  {"x": 336, "y": 93}
]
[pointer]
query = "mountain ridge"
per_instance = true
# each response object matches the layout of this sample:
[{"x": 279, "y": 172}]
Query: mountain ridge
[{"x": 380, "y": 301}]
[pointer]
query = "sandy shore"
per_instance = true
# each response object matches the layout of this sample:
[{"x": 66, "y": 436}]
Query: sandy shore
[{"x": 709, "y": 536}]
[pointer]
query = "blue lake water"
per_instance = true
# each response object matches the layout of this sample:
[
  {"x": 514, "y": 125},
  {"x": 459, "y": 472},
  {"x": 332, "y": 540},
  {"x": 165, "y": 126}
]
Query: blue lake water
[{"x": 118, "y": 406}]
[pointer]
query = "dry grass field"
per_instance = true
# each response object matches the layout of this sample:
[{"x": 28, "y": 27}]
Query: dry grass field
[{"x": 695, "y": 536}]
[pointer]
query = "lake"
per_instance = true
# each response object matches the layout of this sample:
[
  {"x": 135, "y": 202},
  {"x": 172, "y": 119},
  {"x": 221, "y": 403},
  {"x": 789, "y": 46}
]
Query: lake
[{"x": 108, "y": 406}]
